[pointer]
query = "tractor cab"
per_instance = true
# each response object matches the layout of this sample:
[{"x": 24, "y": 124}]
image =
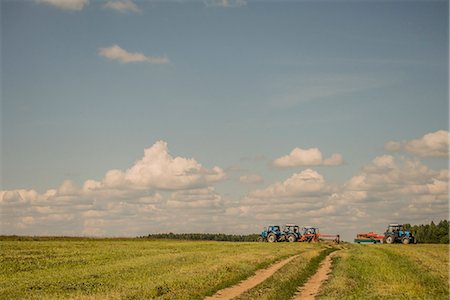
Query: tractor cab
[
  {"x": 395, "y": 228},
  {"x": 274, "y": 228},
  {"x": 291, "y": 228},
  {"x": 310, "y": 230}
]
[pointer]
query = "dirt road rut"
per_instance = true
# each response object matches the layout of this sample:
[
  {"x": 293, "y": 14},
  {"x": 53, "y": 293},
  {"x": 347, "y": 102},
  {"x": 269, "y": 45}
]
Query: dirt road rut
[
  {"x": 311, "y": 288},
  {"x": 260, "y": 276}
]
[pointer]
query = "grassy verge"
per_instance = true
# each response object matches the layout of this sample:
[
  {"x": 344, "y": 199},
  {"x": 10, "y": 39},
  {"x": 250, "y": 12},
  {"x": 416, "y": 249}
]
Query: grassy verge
[
  {"x": 285, "y": 282},
  {"x": 131, "y": 269},
  {"x": 389, "y": 272}
]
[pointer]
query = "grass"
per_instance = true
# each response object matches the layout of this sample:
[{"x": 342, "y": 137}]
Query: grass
[
  {"x": 74, "y": 268},
  {"x": 132, "y": 269},
  {"x": 389, "y": 272},
  {"x": 285, "y": 282}
]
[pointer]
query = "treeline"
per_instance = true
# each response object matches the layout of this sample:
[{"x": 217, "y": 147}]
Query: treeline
[
  {"x": 204, "y": 237},
  {"x": 430, "y": 233}
]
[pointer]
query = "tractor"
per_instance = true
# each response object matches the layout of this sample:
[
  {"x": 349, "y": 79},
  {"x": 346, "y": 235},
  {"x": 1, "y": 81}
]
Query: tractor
[
  {"x": 271, "y": 234},
  {"x": 309, "y": 234},
  {"x": 291, "y": 233},
  {"x": 395, "y": 234}
]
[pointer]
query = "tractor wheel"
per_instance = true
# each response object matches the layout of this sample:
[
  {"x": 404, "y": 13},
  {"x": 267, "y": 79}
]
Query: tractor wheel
[
  {"x": 390, "y": 239},
  {"x": 405, "y": 240},
  {"x": 272, "y": 238},
  {"x": 291, "y": 238},
  {"x": 260, "y": 239}
]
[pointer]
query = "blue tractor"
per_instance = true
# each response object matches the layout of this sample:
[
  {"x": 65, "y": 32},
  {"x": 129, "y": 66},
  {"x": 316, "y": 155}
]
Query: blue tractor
[
  {"x": 291, "y": 233},
  {"x": 272, "y": 234},
  {"x": 395, "y": 234}
]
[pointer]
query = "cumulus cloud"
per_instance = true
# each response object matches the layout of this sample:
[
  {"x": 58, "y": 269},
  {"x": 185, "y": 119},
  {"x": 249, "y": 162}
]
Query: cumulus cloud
[
  {"x": 251, "y": 178},
  {"x": 162, "y": 193},
  {"x": 386, "y": 190},
  {"x": 115, "y": 52},
  {"x": 307, "y": 157},
  {"x": 197, "y": 198},
  {"x": 69, "y": 5},
  {"x": 305, "y": 182},
  {"x": 398, "y": 190},
  {"x": 387, "y": 176},
  {"x": 123, "y": 6},
  {"x": 225, "y": 3},
  {"x": 134, "y": 197},
  {"x": 157, "y": 169},
  {"x": 434, "y": 144}
]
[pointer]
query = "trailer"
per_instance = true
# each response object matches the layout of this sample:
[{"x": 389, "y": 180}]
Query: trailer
[{"x": 370, "y": 238}]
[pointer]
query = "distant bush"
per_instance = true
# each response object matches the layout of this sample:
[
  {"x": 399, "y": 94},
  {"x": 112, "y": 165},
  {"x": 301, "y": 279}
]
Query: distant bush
[
  {"x": 430, "y": 233},
  {"x": 204, "y": 237}
]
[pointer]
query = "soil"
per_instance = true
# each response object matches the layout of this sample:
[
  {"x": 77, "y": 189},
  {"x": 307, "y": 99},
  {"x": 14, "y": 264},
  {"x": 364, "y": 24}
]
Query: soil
[
  {"x": 311, "y": 288},
  {"x": 260, "y": 276}
]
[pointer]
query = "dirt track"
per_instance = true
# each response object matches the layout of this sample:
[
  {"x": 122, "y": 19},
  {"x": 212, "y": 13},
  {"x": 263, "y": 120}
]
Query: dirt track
[
  {"x": 311, "y": 288},
  {"x": 260, "y": 276}
]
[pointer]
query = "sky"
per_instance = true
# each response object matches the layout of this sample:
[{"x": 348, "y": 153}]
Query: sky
[{"x": 124, "y": 118}]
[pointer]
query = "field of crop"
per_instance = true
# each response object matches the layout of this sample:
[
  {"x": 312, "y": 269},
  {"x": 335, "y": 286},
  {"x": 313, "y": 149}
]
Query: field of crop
[
  {"x": 390, "y": 272},
  {"x": 131, "y": 268},
  {"x": 143, "y": 269}
]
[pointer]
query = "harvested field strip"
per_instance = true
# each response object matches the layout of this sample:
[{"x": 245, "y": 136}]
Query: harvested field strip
[
  {"x": 284, "y": 283},
  {"x": 389, "y": 272}
]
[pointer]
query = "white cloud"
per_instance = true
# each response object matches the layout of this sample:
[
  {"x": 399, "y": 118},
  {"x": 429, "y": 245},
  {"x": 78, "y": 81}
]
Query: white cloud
[
  {"x": 225, "y": 3},
  {"x": 159, "y": 170},
  {"x": 334, "y": 160},
  {"x": 197, "y": 198},
  {"x": 117, "y": 53},
  {"x": 387, "y": 190},
  {"x": 251, "y": 178},
  {"x": 70, "y": 5},
  {"x": 163, "y": 193},
  {"x": 123, "y": 6},
  {"x": 434, "y": 144},
  {"x": 307, "y": 157},
  {"x": 305, "y": 182},
  {"x": 124, "y": 202}
]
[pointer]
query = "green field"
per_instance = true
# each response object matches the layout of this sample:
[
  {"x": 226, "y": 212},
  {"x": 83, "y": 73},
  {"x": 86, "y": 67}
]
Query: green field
[
  {"x": 143, "y": 269},
  {"x": 390, "y": 272},
  {"x": 131, "y": 268}
]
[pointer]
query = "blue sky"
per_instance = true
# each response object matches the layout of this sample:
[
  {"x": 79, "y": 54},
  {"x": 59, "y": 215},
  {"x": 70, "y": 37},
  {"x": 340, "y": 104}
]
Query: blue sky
[{"x": 244, "y": 84}]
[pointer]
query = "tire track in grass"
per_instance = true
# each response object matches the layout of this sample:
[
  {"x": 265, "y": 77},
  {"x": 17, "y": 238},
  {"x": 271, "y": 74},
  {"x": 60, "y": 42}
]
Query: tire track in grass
[
  {"x": 285, "y": 282},
  {"x": 260, "y": 276},
  {"x": 311, "y": 289}
]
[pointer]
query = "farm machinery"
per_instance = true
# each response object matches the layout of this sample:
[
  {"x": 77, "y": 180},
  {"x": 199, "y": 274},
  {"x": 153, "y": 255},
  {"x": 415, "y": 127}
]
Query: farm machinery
[
  {"x": 312, "y": 234},
  {"x": 395, "y": 234},
  {"x": 309, "y": 234},
  {"x": 370, "y": 237},
  {"x": 293, "y": 233},
  {"x": 273, "y": 233}
]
